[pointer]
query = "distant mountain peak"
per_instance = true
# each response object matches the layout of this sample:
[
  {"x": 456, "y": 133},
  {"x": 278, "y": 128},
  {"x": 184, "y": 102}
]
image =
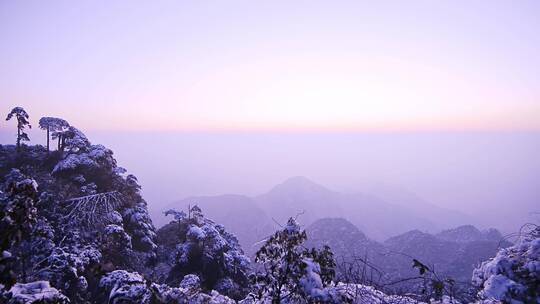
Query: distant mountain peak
[
  {"x": 337, "y": 232},
  {"x": 338, "y": 224},
  {"x": 464, "y": 233},
  {"x": 299, "y": 184},
  {"x": 410, "y": 237},
  {"x": 299, "y": 180}
]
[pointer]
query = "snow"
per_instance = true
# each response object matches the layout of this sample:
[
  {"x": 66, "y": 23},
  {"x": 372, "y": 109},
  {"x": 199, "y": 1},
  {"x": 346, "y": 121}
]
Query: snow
[
  {"x": 124, "y": 285},
  {"x": 73, "y": 161},
  {"x": 78, "y": 260},
  {"x": 195, "y": 233},
  {"x": 6, "y": 254},
  {"x": 311, "y": 281},
  {"x": 96, "y": 155},
  {"x": 178, "y": 215},
  {"x": 30, "y": 182},
  {"x": 115, "y": 218},
  {"x": 292, "y": 226},
  {"x": 343, "y": 293},
  {"x": 190, "y": 281},
  {"x": 180, "y": 295},
  {"x": 204, "y": 263},
  {"x": 118, "y": 237},
  {"x": 75, "y": 140},
  {"x": 34, "y": 292},
  {"x": 113, "y": 229},
  {"x": 361, "y": 294},
  {"x": 498, "y": 285},
  {"x": 511, "y": 276},
  {"x": 138, "y": 222}
]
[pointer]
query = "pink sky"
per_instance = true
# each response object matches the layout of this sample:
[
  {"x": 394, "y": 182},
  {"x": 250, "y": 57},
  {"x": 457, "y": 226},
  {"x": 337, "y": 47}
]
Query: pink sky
[{"x": 281, "y": 65}]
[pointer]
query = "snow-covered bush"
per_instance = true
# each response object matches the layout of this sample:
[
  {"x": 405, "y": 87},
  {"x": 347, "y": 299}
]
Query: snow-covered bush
[
  {"x": 74, "y": 140},
  {"x": 342, "y": 293},
  {"x": 17, "y": 210},
  {"x": 39, "y": 292},
  {"x": 205, "y": 249},
  {"x": 93, "y": 160},
  {"x": 189, "y": 291},
  {"x": 290, "y": 272},
  {"x": 138, "y": 223},
  {"x": 513, "y": 275},
  {"x": 125, "y": 287},
  {"x": 17, "y": 218},
  {"x": 116, "y": 246},
  {"x": 70, "y": 270},
  {"x": 42, "y": 240}
]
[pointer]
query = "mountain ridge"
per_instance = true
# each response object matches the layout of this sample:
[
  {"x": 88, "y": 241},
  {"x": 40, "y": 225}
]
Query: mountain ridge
[
  {"x": 393, "y": 257},
  {"x": 309, "y": 201}
]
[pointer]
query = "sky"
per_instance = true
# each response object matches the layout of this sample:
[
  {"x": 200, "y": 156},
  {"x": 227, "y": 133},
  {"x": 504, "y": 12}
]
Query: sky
[
  {"x": 441, "y": 98},
  {"x": 279, "y": 65}
]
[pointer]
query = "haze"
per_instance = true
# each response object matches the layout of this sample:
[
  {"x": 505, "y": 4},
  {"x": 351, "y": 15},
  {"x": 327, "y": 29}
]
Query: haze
[{"x": 441, "y": 99}]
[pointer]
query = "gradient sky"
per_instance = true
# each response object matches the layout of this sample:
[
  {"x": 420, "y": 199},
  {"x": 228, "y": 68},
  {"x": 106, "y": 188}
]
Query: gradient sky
[
  {"x": 163, "y": 84},
  {"x": 279, "y": 65}
]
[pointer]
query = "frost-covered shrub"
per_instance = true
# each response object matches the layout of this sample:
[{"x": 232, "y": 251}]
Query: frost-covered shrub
[
  {"x": 205, "y": 249},
  {"x": 17, "y": 210},
  {"x": 70, "y": 270},
  {"x": 125, "y": 287},
  {"x": 513, "y": 275},
  {"x": 94, "y": 163},
  {"x": 65, "y": 231},
  {"x": 42, "y": 240},
  {"x": 73, "y": 140},
  {"x": 288, "y": 271},
  {"x": 188, "y": 292},
  {"x": 341, "y": 293},
  {"x": 138, "y": 223},
  {"x": 18, "y": 216},
  {"x": 89, "y": 189},
  {"x": 116, "y": 245},
  {"x": 39, "y": 292}
]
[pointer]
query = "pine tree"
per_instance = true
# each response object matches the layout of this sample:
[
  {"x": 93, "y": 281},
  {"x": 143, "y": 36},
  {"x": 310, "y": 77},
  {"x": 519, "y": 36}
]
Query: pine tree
[
  {"x": 22, "y": 122},
  {"x": 51, "y": 125}
]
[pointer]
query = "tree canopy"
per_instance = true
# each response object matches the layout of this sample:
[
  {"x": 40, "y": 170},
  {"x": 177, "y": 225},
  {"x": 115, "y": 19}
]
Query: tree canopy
[{"x": 22, "y": 122}]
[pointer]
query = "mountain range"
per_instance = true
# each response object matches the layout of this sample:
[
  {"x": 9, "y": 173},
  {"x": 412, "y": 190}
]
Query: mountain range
[
  {"x": 378, "y": 232},
  {"x": 381, "y": 213},
  {"x": 451, "y": 253}
]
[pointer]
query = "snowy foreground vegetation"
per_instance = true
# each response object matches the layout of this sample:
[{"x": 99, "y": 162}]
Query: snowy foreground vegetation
[{"x": 75, "y": 229}]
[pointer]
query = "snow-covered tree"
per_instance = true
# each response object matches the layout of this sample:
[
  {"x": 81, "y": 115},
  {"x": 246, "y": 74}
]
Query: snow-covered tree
[
  {"x": 188, "y": 291},
  {"x": 203, "y": 248},
  {"x": 17, "y": 214},
  {"x": 513, "y": 275},
  {"x": 290, "y": 273},
  {"x": 22, "y": 122},
  {"x": 52, "y": 125},
  {"x": 72, "y": 269},
  {"x": 116, "y": 245},
  {"x": 74, "y": 140},
  {"x": 121, "y": 286},
  {"x": 58, "y": 132}
]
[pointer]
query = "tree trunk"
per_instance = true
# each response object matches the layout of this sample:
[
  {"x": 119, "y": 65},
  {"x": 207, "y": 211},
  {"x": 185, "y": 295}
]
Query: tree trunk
[
  {"x": 18, "y": 138},
  {"x": 48, "y": 139},
  {"x": 23, "y": 268}
]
